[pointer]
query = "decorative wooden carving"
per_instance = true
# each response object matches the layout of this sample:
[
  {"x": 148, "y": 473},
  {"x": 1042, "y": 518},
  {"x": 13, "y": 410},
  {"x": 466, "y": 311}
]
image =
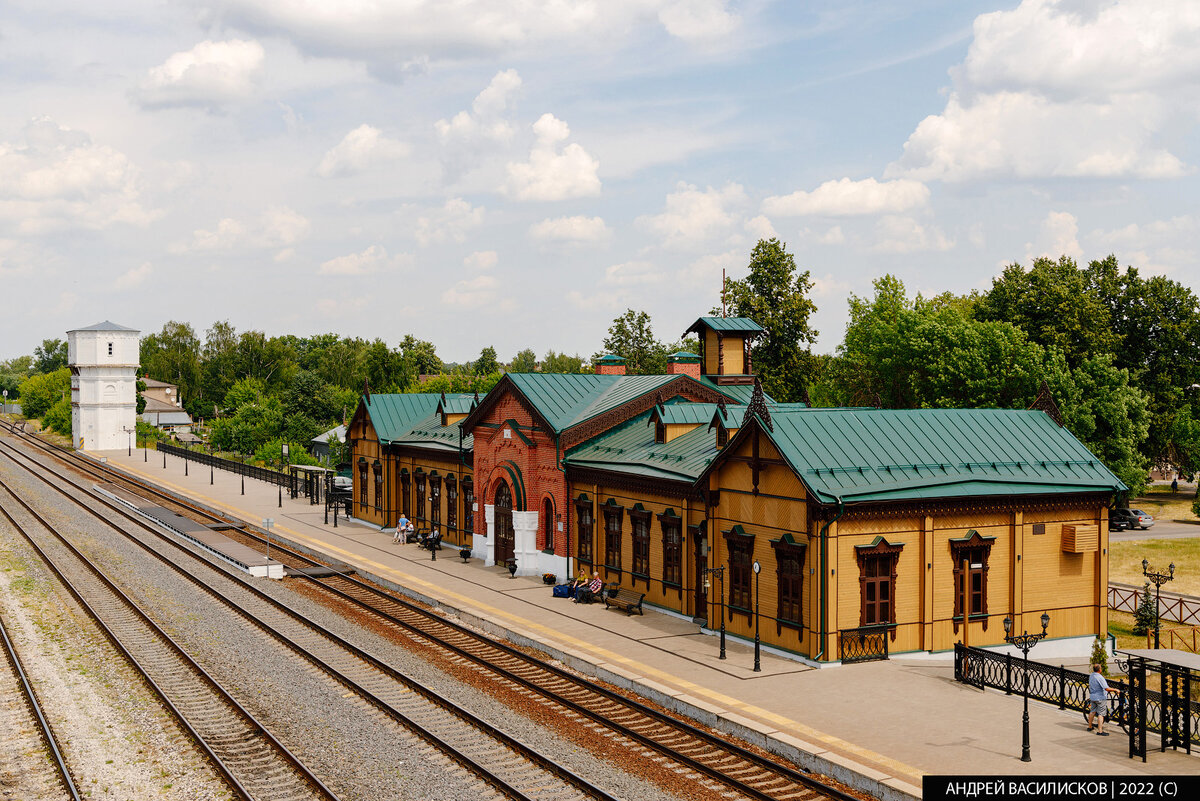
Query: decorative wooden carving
[
  {"x": 758, "y": 406},
  {"x": 1045, "y": 402},
  {"x": 683, "y": 385}
]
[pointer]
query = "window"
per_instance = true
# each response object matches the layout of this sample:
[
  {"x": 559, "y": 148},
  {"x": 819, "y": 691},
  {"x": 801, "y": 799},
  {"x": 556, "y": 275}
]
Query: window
[
  {"x": 877, "y": 582},
  {"x": 722, "y": 436},
  {"x": 660, "y": 432},
  {"x": 639, "y": 518},
  {"x": 548, "y": 525},
  {"x": 435, "y": 501},
  {"x": 362, "y": 484},
  {"x": 974, "y": 550},
  {"x": 377, "y": 468},
  {"x": 583, "y": 515},
  {"x": 789, "y": 572},
  {"x": 612, "y": 535},
  {"x": 672, "y": 541},
  {"x": 110, "y": 349},
  {"x": 741, "y": 552},
  {"x": 405, "y": 492},
  {"x": 419, "y": 513},
  {"x": 468, "y": 488},
  {"x": 451, "y": 502}
]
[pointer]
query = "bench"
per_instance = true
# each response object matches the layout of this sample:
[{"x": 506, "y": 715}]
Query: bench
[
  {"x": 623, "y": 598},
  {"x": 433, "y": 543}
]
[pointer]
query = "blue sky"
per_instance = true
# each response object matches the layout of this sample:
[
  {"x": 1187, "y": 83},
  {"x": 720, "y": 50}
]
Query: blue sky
[{"x": 516, "y": 173}]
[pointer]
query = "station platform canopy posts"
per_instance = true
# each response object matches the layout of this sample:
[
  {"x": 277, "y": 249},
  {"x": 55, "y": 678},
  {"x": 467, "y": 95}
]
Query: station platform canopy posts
[
  {"x": 1170, "y": 709},
  {"x": 310, "y": 481}
]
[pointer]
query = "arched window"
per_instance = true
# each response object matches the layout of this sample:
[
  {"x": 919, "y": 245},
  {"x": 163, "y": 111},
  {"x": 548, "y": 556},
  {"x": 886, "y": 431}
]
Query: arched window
[{"x": 548, "y": 525}]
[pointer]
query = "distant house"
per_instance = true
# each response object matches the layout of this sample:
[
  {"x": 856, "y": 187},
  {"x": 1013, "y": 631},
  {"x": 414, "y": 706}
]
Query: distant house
[
  {"x": 319, "y": 445},
  {"x": 164, "y": 408}
]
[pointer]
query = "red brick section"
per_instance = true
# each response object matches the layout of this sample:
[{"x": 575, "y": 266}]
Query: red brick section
[
  {"x": 684, "y": 368},
  {"x": 537, "y": 464},
  {"x": 613, "y": 369}
]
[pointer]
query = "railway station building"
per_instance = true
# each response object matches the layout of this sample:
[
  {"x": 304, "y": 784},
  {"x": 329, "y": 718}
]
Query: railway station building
[{"x": 872, "y": 528}]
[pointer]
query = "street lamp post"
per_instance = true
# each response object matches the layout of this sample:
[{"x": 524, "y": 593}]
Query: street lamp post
[
  {"x": 129, "y": 440},
  {"x": 757, "y": 661},
  {"x": 1157, "y": 578},
  {"x": 1025, "y": 641},
  {"x": 720, "y": 573}
]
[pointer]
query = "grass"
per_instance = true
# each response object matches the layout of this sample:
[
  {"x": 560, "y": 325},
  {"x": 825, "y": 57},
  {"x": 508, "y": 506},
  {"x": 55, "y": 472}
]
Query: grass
[
  {"x": 1120, "y": 625},
  {"x": 1159, "y": 501},
  {"x": 1125, "y": 562}
]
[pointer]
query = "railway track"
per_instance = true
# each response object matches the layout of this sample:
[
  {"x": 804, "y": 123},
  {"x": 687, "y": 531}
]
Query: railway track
[
  {"x": 54, "y": 772},
  {"x": 694, "y": 749},
  {"x": 499, "y": 759},
  {"x": 253, "y": 762}
]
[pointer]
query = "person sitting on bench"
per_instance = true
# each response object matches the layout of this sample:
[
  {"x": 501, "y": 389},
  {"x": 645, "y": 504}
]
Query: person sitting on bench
[
  {"x": 589, "y": 593},
  {"x": 577, "y": 585}
]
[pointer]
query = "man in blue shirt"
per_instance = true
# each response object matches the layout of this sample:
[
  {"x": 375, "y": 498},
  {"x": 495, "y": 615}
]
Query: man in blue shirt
[{"x": 1098, "y": 691}]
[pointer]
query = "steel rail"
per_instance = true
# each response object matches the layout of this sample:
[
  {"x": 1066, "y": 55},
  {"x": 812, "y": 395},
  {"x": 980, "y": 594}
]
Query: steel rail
[
  {"x": 796, "y": 776},
  {"x": 505, "y": 739},
  {"x": 43, "y": 725},
  {"x": 211, "y": 683}
]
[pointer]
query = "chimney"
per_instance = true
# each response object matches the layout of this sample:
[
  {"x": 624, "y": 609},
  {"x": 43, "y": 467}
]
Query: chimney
[
  {"x": 608, "y": 364},
  {"x": 684, "y": 363}
]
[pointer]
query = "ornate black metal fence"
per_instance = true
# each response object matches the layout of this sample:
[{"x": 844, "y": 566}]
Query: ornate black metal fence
[
  {"x": 1067, "y": 689},
  {"x": 240, "y": 468},
  {"x": 863, "y": 644}
]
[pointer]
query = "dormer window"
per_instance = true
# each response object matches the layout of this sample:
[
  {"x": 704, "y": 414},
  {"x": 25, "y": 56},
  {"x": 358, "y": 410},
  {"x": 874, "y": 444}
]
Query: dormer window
[{"x": 722, "y": 436}]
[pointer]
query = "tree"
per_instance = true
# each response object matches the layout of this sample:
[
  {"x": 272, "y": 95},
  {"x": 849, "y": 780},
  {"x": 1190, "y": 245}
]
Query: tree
[
  {"x": 58, "y": 417},
  {"x": 1145, "y": 615},
  {"x": 270, "y": 359},
  {"x": 42, "y": 390},
  {"x": 632, "y": 338},
  {"x": 219, "y": 358},
  {"x": 486, "y": 364},
  {"x": 51, "y": 355},
  {"x": 1099, "y": 655},
  {"x": 524, "y": 362},
  {"x": 775, "y": 295},
  {"x": 173, "y": 355},
  {"x": 140, "y": 387},
  {"x": 421, "y": 355},
  {"x": 562, "y": 363}
]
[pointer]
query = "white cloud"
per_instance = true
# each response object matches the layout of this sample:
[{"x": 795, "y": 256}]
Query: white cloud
[
  {"x": 360, "y": 149},
  {"x": 372, "y": 260},
  {"x": 481, "y": 260},
  {"x": 135, "y": 276},
  {"x": 211, "y": 74},
  {"x": 906, "y": 235},
  {"x": 633, "y": 273},
  {"x": 846, "y": 197},
  {"x": 553, "y": 173},
  {"x": 277, "y": 227},
  {"x": 471, "y": 293},
  {"x": 1064, "y": 89},
  {"x": 1059, "y": 237},
  {"x": 760, "y": 228},
  {"x": 693, "y": 217},
  {"x": 450, "y": 223},
  {"x": 698, "y": 20},
  {"x": 833, "y": 236},
  {"x": 706, "y": 270},
  {"x": 58, "y": 178},
  {"x": 484, "y": 120},
  {"x": 574, "y": 230}
]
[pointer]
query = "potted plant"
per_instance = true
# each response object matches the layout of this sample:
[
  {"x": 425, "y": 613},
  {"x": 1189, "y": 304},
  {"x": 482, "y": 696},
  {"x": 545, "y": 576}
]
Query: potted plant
[
  {"x": 549, "y": 578},
  {"x": 465, "y": 553}
]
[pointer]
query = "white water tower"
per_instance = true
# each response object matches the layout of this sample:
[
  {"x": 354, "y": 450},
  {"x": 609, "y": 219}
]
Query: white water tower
[{"x": 104, "y": 360}]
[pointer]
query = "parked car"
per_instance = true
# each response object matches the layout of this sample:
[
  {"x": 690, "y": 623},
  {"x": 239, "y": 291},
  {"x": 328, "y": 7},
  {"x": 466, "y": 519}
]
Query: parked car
[
  {"x": 1117, "y": 522},
  {"x": 1132, "y": 518}
]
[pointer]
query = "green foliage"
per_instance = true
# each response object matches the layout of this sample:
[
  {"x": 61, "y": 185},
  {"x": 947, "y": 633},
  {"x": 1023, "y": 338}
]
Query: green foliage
[
  {"x": 562, "y": 363},
  {"x": 1196, "y": 502},
  {"x": 173, "y": 355},
  {"x": 271, "y": 453},
  {"x": 51, "y": 355},
  {"x": 1144, "y": 616},
  {"x": 632, "y": 338},
  {"x": 486, "y": 364},
  {"x": 12, "y": 382},
  {"x": 42, "y": 390},
  {"x": 244, "y": 391},
  {"x": 148, "y": 434},
  {"x": 219, "y": 362},
  {"x": 524, "y": 362},
  {"x": 140, "y": 387},
  {"x": 775, "y": 295},
  {"x": 459, "y": 382},
  {"x": 255, "y": 423},
  {"x": 58, "y": 417},
  {"x": 1099, "y": 655}
]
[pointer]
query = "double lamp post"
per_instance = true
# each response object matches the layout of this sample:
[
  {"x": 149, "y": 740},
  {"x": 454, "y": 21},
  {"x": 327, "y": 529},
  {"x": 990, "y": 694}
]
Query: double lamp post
[
  {"x": 1025, "y": 641},
  {"x": 1157, "y": 578}
]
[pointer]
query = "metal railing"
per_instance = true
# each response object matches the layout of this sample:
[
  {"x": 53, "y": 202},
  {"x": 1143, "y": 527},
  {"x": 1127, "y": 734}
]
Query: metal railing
[
  {"x": 863, "y": 644},
  {"x": 1067, "y": 689},
  {"x": 240, "y": 468}
]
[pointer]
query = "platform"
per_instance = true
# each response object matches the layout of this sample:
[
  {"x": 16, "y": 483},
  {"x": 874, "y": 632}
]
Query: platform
[{"x": 878, "y": 726}]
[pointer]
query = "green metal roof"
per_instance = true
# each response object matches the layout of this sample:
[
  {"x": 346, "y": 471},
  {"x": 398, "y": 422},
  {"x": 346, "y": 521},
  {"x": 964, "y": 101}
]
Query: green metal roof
[
  {"x": 726, "y": 325},
  {"x": 630, "y": 448},
  {"x": 565, "y": 399},
  {"x": 689, "y": 413},
  {"x": 684, "y": 356},
  {"x": 459, "y": 403},
  {"x": 738, "y": 393},
  {"x": 394, "y": 415},
  {"x": 892, "y": 454},
  {"x": 429, "y": 432},
  {"x": 610, "y": 358}
]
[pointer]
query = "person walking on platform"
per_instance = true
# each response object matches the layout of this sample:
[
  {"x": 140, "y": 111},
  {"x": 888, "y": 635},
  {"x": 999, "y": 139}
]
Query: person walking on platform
[
  {"x": 1098, "y": 691},
  {"x": 401, "y": 529}
]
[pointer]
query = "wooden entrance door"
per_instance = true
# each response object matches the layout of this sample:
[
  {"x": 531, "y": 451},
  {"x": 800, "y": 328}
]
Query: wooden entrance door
[
  {"x": 700, "y": 544},
  {"x": 504, "y": 524}
]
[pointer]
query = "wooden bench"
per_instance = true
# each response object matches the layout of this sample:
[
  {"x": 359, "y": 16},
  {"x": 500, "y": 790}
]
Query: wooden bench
[{"x": 623, "y": 598}]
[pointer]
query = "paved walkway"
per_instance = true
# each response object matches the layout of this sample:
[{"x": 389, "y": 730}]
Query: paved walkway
[{"x": 890, "y": 722}]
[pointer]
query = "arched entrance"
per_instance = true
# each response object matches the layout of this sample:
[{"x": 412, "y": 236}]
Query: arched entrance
[{"x": 503, "y": 523}]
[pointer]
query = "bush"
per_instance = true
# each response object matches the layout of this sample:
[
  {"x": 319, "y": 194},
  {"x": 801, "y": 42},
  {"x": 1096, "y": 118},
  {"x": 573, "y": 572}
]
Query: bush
[
  {"x": 58, "y": 418},
  {"x": 272, "y": 454},
  {"x": 1100, "y": 655},
  {"x": 1144, "y": 616},
  {"x": 40, "y": 392}
]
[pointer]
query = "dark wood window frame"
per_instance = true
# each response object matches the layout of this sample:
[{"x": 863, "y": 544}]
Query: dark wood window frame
[
  {"x": 660, "y": 432},
  {"x": 614, "y": 520},
  {"x": 639, "y": 523},
  {"x": 722, "y": 436},
  {"x": 547, "y": 532},
  {"x": 671, "y": 525},
  {"x": 975, "y": 549},
  {"x": 585, "y": 526},
  {"x": 435, "y": 501},
  {"x": 362, "y": 484},
  {"x": 877, "y": 578},
  {"x": 451, "y": 502},
  {"x": 789, "y": 573},
  {"x": 420, "y": 512},
  {"x": 405, "y": 492},
  {"x": 377, "y": 471},
  {"x": 739, "y": 546},
  {"x": 468, "y": 493}
]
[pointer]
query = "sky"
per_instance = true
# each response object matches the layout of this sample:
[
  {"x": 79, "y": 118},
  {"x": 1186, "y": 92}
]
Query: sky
[{"x": 515, "y": 174}]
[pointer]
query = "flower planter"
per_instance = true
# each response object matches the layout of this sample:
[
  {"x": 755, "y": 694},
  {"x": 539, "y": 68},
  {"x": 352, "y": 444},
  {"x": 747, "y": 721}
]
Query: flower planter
[{"x": 549, "y": 578}]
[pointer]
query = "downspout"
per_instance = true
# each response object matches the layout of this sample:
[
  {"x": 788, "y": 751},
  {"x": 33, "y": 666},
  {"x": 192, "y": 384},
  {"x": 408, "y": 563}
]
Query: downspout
[
  {"x": 565, "y": 515},
  {"x": 824, "y": 544}
]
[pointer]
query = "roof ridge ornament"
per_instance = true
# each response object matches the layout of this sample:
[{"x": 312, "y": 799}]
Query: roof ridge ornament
[
  {"x": 1044, "y": 402},
  {"x": 758, "y": 406},
  {"x": 804, "y": 395}
]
